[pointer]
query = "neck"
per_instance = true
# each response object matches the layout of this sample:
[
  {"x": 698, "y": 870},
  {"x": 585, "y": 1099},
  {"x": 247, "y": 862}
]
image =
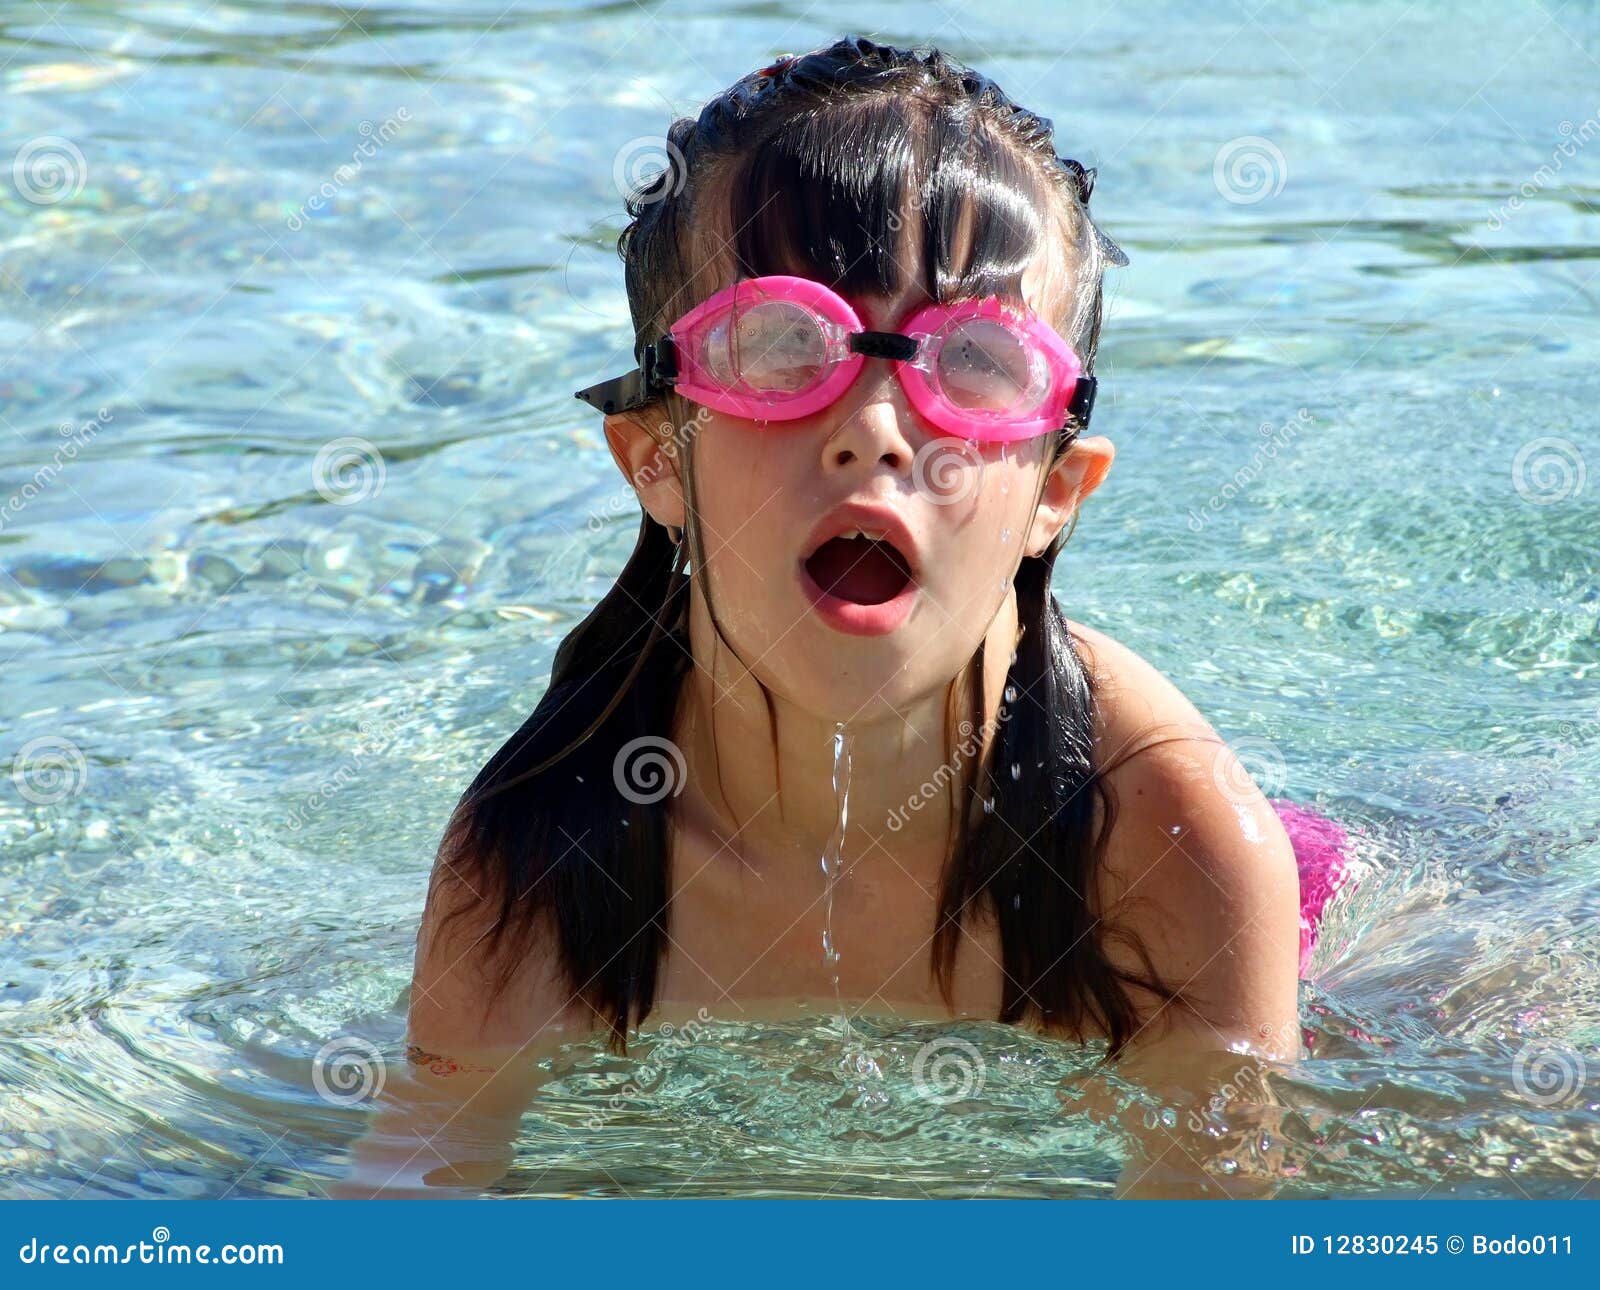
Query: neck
[{"x": 760, "y": 781}]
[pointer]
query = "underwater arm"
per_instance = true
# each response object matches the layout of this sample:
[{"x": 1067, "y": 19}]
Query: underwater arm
[{"x": 445, "y": 1122}]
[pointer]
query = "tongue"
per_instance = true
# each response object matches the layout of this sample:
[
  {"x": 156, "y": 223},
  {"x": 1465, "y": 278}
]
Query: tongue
[{"x": 859, "y": 570}]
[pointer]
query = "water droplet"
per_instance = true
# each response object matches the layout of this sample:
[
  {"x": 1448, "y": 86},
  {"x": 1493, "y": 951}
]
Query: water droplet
[
  {"x": 1016, "y": 901},
  {"x": 1011, "y": 690},
  {"x": 988, "y": 805},
  {"x": 1005, "y": 535},
  {"x": 1175, "y": 830},
  {"x": 1016, "y": 770}
]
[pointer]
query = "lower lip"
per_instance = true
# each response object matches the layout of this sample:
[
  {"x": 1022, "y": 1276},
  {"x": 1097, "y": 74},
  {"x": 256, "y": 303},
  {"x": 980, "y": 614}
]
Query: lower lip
[{"x": 855, "y": 619}]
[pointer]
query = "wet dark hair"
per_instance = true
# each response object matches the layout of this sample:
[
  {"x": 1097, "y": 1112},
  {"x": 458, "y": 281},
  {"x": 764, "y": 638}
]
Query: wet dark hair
[{"x": 810, "y": 167}]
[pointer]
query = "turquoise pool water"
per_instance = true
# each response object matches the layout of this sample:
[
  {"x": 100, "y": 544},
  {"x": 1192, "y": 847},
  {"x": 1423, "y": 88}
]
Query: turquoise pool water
[{"x": 245, "y": 673}]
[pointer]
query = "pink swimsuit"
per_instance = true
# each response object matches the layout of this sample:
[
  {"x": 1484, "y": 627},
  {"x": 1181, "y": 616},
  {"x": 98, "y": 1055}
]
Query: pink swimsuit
[{"x": 1320, "y": 853}]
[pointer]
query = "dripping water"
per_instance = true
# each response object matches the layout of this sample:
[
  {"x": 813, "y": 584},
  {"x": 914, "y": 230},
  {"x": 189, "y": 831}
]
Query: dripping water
[
  {"x": 833, "y": 860},
  {"x": 854, "y": 1060}
]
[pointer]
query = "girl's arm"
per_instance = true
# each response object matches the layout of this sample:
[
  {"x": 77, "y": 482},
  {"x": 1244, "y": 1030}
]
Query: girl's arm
[
  {"x": 1217, "y": 906},
  {"x": 446, "y": 1120},
  {"x": 1199, "y": 867}
]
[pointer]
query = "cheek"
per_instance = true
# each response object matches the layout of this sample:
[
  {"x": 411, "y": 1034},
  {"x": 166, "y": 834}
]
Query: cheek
[
  {"x": 983, "y": 537},
  {"x": 748, "y": 484}
]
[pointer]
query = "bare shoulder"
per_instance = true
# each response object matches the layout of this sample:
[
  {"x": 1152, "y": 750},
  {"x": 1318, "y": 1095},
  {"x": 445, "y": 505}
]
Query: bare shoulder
[
  {"x": 466, "y": 1006},
  {"x": 1198, "y": 866}
]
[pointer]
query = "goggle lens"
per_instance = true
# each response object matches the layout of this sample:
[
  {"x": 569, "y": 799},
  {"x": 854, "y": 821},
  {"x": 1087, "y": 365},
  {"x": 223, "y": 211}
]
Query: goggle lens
[
  {"x": 985, "y": 366},
  {"x": 771, "y": 348},
  {"x": 779, "y": 348}
]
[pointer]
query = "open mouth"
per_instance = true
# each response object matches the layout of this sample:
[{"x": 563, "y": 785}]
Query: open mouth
[{"x": 859, "y": 569}]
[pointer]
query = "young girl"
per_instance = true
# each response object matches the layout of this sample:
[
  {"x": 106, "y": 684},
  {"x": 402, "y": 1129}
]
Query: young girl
[{"x": 830, "y": 735}]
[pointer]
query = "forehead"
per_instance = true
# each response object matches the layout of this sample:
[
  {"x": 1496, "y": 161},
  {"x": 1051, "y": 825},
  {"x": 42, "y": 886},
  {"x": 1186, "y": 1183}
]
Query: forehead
[
  {"x": 1040, "y": 290},
  {"x": 1047, "y": 287}
]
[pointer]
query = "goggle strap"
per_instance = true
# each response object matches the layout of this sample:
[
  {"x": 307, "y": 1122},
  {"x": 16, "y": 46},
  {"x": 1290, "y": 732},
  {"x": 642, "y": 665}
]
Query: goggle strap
[
  {"x": 1082, "y": 404},
  {"x": 636, "y": 388}
]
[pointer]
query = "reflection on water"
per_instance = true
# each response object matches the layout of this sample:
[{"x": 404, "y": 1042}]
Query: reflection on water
[{"x": 295, "y": 504}]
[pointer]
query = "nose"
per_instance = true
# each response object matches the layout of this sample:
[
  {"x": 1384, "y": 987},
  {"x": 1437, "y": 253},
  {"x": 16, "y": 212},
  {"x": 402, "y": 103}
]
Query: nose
[{"x": 873, "y": 422}]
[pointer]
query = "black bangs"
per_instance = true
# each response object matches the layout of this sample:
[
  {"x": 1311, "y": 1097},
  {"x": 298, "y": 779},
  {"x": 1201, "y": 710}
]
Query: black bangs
[{"x": 871, "y": 197}]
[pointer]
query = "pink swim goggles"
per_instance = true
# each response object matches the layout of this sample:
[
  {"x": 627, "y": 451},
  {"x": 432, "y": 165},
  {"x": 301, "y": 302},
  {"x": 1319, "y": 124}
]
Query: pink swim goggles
[{"x": 778, "y": 348}]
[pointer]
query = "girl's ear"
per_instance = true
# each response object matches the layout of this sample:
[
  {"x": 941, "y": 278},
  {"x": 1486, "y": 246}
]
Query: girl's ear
[
  {"x": 647, "y": 456},
  {"x": 1071, "y": 479}
]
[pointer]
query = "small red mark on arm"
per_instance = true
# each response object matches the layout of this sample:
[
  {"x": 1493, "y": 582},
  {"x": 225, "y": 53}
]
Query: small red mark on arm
[{"x": 439, "y": 1064}]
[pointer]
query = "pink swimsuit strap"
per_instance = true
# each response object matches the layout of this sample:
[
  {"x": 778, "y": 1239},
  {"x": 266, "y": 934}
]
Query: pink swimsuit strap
[{"x": 1322, "y": 856}]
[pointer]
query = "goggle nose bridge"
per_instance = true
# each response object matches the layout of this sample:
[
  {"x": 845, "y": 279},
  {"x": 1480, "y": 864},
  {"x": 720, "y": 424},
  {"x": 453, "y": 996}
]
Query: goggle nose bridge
[{"x": 884, "y": 344}]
